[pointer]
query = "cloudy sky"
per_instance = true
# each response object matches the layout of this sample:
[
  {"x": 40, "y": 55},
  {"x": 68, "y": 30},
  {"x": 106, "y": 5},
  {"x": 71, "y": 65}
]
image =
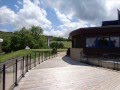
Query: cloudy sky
[{"x": 56, "y": 17}]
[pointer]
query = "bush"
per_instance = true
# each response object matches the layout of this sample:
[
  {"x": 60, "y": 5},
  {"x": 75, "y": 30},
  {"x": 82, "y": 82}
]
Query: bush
[
  {"x": 54, "y": 51},
  {"x": 57, "y": 45},
  {"x": 68, "y": 52}
]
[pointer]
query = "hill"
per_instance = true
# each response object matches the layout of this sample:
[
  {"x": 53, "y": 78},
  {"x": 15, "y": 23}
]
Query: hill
[{"x": 5, "y": 34}]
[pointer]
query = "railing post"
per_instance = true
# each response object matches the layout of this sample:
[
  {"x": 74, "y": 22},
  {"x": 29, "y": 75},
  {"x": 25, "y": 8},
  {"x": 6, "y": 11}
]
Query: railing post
[
  {"x": 23, "y": 68},
  {"x": 30, "y": 61},
  {"x": 46, "y": 55},
  {"x": 39, "y": 58},
  {"x": 27, "y": 64},
  {"x": 16, "y": 67},
  {"x": 56, "y": 54},
  {"x": 42, "y": 56},
  {"x": 49, "y": 54},
  {"x": 35, "y": 60},
  {"x": 117, "y": 64},
  {"x": 4, "y": 76},
  {"x": 52, "y": 54}
]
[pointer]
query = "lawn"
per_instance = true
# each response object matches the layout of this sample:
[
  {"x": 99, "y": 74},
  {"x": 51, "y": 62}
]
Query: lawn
[
  {"x": 21, "y": 53},
  {"x": 14, "y": 54}
]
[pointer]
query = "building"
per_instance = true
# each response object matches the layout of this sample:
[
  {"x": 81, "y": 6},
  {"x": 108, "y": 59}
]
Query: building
[{"x": 96, "y": 40}]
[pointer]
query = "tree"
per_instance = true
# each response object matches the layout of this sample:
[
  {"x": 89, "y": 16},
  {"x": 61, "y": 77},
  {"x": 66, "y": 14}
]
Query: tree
[
  {"x": 6, "y": 45},
  {"x": 36, "y": 31},
  {"x": 32, "y": 37}
]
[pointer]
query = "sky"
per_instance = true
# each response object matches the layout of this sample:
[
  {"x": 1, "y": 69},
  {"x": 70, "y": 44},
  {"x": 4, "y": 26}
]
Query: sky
[{"x": 56, "y": 17}]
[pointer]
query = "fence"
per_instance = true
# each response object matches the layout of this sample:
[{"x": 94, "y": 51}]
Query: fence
[
  {"x": 107, "y": 61},
  {"x": 13, "y": 70}
]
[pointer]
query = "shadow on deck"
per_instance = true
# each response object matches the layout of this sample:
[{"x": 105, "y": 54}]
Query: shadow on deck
[{"x": 73, "y": 62}]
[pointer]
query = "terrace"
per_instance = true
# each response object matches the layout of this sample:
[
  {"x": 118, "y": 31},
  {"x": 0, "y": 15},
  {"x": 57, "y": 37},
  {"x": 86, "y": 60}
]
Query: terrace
[{"x": 41, "y": 71}]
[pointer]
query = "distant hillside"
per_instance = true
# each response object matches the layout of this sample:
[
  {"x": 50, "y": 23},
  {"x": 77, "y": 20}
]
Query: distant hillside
[{"x": 5, "y": 34}]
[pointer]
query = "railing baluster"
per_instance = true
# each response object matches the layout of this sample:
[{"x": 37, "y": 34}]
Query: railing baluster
[
  {"x": 23, "y": 68},
  {"x": 39, "y": 58},
  {"x": 35, "y": 60},
  {"x": 52, "y": 54},
  {"x": 30, "y": 61},
  {"x": 42, "y": 56},
  {"x": 27, "y": 64},
  {"x": 16, "y": 75},
  {"x": 4, "y": 76},
  {"x": 46, "y": 55},
  {"x": 49, "y": 54}
]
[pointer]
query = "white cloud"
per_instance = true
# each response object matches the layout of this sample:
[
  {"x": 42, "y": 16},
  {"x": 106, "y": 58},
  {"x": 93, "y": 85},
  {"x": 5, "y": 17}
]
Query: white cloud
[
  {"x": 64, "y": 29},
  {"x": 112, "y": 6},
  {"x": 62, "y": 17},
  {"x": 7, "y": 16},
  {"x": 30, "y": 14},
  {"x": 37, "y": 2},
  {"x": 72, "y": 14}
]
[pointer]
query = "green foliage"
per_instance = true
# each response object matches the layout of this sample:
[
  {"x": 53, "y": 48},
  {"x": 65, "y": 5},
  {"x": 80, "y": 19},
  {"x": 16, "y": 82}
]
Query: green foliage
[
  {"x": 31, "y": 37},
  {"x": 68, "y": 52},
  {"x": 59, "y": 39},
  {"x": 6, "y": 45},
  {"x": 57, "y": 45},
  {"x": 54, "y": 51},
  {"x": 66, "y": 44}
]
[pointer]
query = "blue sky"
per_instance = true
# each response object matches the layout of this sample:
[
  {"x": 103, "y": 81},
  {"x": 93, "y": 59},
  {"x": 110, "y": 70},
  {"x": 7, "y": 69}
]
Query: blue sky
[{"x": 56, "y": 17}]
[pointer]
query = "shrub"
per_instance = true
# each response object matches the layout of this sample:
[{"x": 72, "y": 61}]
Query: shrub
[{"x": 68, "y": 52}]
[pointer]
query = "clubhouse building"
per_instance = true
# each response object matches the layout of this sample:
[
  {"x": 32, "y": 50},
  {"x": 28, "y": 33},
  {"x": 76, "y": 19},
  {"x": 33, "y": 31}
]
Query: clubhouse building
[{"x": 96, "y": 40}]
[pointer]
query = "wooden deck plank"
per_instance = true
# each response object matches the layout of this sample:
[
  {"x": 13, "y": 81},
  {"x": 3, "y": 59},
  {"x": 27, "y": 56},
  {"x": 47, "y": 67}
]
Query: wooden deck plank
[{"x": 62, "y": 73}]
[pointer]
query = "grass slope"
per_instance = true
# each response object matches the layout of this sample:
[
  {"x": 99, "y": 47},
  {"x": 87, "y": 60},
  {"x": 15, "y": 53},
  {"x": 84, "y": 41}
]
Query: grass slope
[{"x": 21, "y": 53}]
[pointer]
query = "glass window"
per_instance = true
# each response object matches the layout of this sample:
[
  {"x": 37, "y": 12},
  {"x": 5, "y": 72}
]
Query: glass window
[{"x": 90, "y": 42}]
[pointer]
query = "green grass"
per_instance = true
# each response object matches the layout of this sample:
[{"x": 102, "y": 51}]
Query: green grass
[
  {"x": 21, "y": 53},
  {"x": 14, "y": 54},
  {"x": 59, "y": 50}
]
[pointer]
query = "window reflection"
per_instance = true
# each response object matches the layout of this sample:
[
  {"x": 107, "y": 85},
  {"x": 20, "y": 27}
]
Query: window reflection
[{"x": 103, "y": 42}]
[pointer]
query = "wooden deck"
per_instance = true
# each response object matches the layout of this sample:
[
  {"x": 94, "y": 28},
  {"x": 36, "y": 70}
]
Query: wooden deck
[{"x": 62, "y": 73}]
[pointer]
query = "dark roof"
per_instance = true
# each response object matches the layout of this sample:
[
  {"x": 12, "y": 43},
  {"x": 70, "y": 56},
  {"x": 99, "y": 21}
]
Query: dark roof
[
  {"x": 108, "y": 23},
  {"x": 90, "y": 31}
]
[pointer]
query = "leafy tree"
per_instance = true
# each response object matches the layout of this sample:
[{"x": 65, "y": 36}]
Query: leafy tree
[
  {"x": 6, "y": 45},
  {"x": 36, "y": 31}
]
